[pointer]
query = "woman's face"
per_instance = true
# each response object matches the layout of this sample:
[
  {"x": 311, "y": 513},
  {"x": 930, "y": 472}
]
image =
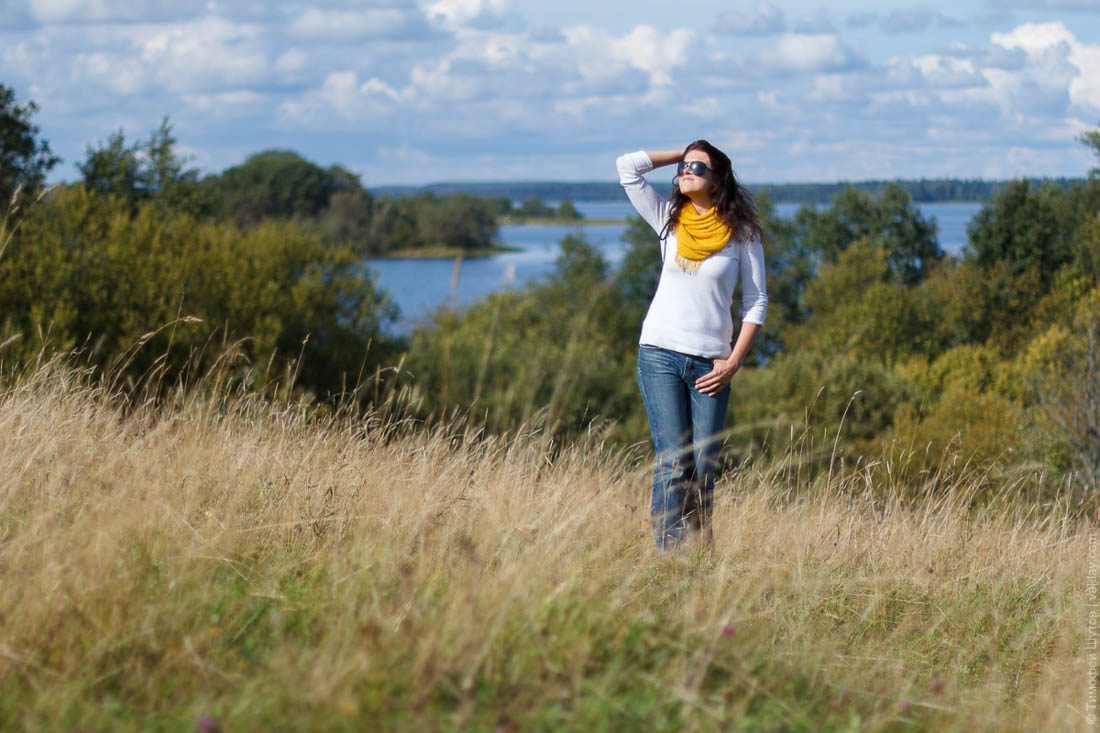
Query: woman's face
[{"x": 690, "y": 182}]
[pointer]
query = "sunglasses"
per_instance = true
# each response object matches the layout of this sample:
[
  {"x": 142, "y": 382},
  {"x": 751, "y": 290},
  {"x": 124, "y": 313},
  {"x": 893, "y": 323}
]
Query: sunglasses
[{"x": 697, "y": 168}]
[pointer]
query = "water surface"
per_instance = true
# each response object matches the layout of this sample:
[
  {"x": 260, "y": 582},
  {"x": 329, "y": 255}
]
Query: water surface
[{"x": 419, "y": 286}]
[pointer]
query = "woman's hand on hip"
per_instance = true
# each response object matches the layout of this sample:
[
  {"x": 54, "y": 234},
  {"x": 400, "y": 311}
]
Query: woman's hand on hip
[{"x": 717, "y": 378}]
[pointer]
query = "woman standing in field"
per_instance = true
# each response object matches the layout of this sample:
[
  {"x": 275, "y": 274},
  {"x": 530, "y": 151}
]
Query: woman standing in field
[{"x": 710, "y": 238}]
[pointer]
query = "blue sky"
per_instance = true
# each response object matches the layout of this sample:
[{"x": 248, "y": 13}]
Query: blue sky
[{"x": 442, "y": 90}]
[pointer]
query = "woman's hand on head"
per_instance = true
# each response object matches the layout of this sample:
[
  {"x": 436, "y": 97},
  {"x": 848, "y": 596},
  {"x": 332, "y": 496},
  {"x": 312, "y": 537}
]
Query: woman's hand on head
[{"x": 718, "y": 377}]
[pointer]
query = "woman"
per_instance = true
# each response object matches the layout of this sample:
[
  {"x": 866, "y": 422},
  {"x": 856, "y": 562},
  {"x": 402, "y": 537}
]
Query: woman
[{"x": 710, "y": 238}]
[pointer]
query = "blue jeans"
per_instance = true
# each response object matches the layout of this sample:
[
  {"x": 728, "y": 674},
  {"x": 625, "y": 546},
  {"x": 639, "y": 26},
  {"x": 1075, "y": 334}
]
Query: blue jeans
[{"x": 686, "y": 426}]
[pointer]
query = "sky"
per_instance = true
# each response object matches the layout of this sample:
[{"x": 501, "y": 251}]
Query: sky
[{"x": 414, "y": 92}]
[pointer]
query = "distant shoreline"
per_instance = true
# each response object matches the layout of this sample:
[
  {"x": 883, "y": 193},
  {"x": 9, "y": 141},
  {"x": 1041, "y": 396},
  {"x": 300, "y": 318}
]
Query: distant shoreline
[
  {"x": 548, "y": 221},
  {"x": 926, "y": 190},
  {"x": 445, "y": 253}
]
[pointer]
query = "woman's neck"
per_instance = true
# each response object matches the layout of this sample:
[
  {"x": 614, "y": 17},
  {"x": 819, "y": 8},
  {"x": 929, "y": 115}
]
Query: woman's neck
[{"x": 701, "y": 201}]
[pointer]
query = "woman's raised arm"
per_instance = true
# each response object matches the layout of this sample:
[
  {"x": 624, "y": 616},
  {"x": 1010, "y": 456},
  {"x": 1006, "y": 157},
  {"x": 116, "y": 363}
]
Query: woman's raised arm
[
  {"x": 649, "y": 204},
  {"x": 664, "y": 157}
]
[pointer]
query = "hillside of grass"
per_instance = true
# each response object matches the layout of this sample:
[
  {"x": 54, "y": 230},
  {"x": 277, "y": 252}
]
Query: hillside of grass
[{"x": 213, "y": 559}]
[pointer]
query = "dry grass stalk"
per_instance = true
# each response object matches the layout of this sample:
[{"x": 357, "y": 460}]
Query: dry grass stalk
[{"x": 269, "y": 567}]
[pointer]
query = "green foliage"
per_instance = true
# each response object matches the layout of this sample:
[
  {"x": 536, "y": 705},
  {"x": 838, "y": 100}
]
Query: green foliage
[
  {"x": 790, "y": 264},
  {"x": 148, "y": 170},
  {"x": 534, "y": 208},
  {"x": 640, "y": 269},
  {"x": 922, "y": 190},
  {"x": 560, "y": 353},
  {"x": 976, "y": 432},
  {"x": 85, "y": 271},
  {"x": 1021, "y": 228},
  {"x": 1064, "y": 367},
  {"x": 974, "y": 368},
  {"x": 1092, "y": 140},
  {"x": 279, "y": 184},
  {"x": 332, "y": 203},
  {"x": 25, "y": 159},
  {"x": 566, "y": 210},
  {"x": 860, "y": 309},
  {"x": 388, "y": 225},
  {"x": 891, "y": 221},
  {"x": 790, "y": 267},
  {"x": 114, "y": 168},
  {"x": 350, "y": 219},
  {"x": 459, "y": 221}
]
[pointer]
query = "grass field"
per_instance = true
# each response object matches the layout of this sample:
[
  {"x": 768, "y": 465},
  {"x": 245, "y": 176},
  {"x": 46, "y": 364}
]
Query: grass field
[{"x": 224, "y": 562}]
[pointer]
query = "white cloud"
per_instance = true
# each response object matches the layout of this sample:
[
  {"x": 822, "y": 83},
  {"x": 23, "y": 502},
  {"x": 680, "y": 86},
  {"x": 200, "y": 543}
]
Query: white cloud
[
  {"x": 802, "y": 53},
  {"x": 817, "y": 23},
  {"x": 118, "y": 73},
  {"x": 467, "y": 80},
  {"x": 767, "y": 20},
  {"x": 205, "y": 54},
  {"x": 293, "y": 59},
  {"x": 948, "y": 72},
  {"x": 223, "y": 101},
  {"x": 392, "y": 23},
  {"x": 645, "y": 53},
  {"x": 1051, "y": 4},
  {"x": 456, "y": 13},
  {"x": 1049, "y": 47},
  {"x": 84, "y": 11},
  {"x": 654, "y": 51},
  {"x": 913, "y": 19}
]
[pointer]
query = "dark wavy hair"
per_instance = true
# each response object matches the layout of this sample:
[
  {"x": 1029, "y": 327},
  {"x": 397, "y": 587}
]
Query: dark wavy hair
[{"x": 734, "y": 202}]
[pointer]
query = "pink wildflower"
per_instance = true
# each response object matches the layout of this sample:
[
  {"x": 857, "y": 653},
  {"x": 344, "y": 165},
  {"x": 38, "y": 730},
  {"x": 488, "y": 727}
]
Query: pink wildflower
[{"x": 207, "y": 724}]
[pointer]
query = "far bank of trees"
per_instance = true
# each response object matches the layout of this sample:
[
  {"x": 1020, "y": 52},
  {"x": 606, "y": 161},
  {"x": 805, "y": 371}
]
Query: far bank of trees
[
  {"x": 283, "y": 186},
  {"x": 921, "y": 190}
]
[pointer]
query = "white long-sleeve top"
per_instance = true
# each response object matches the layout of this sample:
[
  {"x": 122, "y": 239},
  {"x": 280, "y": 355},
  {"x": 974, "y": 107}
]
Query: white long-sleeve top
[{"x": 691, "y": 313}]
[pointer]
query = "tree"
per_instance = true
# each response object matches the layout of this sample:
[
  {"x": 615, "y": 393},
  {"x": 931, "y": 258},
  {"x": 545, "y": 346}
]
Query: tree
[
  {"x": 24, "y": 158},
  {"x": 534, "y": 208},
  {"x": 892, "y": 220},
  {"x": 1067, "y": 386},
  {"x": 1021, "y": 227},
  {"x": 1092, "y": 140},
  {"x": 460, "y": 220},
  {"x": 638, "y": 273},
  {"x": 568, "y": 211},
  {"x": 580, "y": 264},
  {"x": 85, "y": 269},
  {"x": 114, "y": 168},
  {"x": 790, "y": 268},
  {"x": 166, "y": 177},
  {"x": 148, "y": 170},
  {"x": 860, "y": 309},
  {"x": 555, "y": 354},
  {"x": 348, "y": 219},
  {"x": 279, "y": 184}
]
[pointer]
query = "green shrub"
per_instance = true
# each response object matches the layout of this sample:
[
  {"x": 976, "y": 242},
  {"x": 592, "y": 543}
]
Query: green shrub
[
  {"x": 979, "y": 434},
  {"x": 82, "y": 271},
  {"x": 561, "y": 353},
  {"x": 832, "y": 399}
]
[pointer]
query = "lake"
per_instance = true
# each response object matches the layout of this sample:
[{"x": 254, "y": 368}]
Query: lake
[{"x": 419, "y": 286}]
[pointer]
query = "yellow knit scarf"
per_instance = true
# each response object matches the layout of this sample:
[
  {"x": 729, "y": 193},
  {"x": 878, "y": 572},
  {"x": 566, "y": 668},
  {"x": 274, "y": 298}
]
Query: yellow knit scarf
[{"x": 698, "y": 236}]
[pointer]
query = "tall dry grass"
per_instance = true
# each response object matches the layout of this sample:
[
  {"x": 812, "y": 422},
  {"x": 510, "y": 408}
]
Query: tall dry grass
[{"x": 226, "y": 560}]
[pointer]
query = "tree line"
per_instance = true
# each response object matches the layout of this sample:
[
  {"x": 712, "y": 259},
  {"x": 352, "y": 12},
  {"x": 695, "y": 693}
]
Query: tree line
[
  {"x": 921, "y": 190},
  {"x": 880, "y": 351}
]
